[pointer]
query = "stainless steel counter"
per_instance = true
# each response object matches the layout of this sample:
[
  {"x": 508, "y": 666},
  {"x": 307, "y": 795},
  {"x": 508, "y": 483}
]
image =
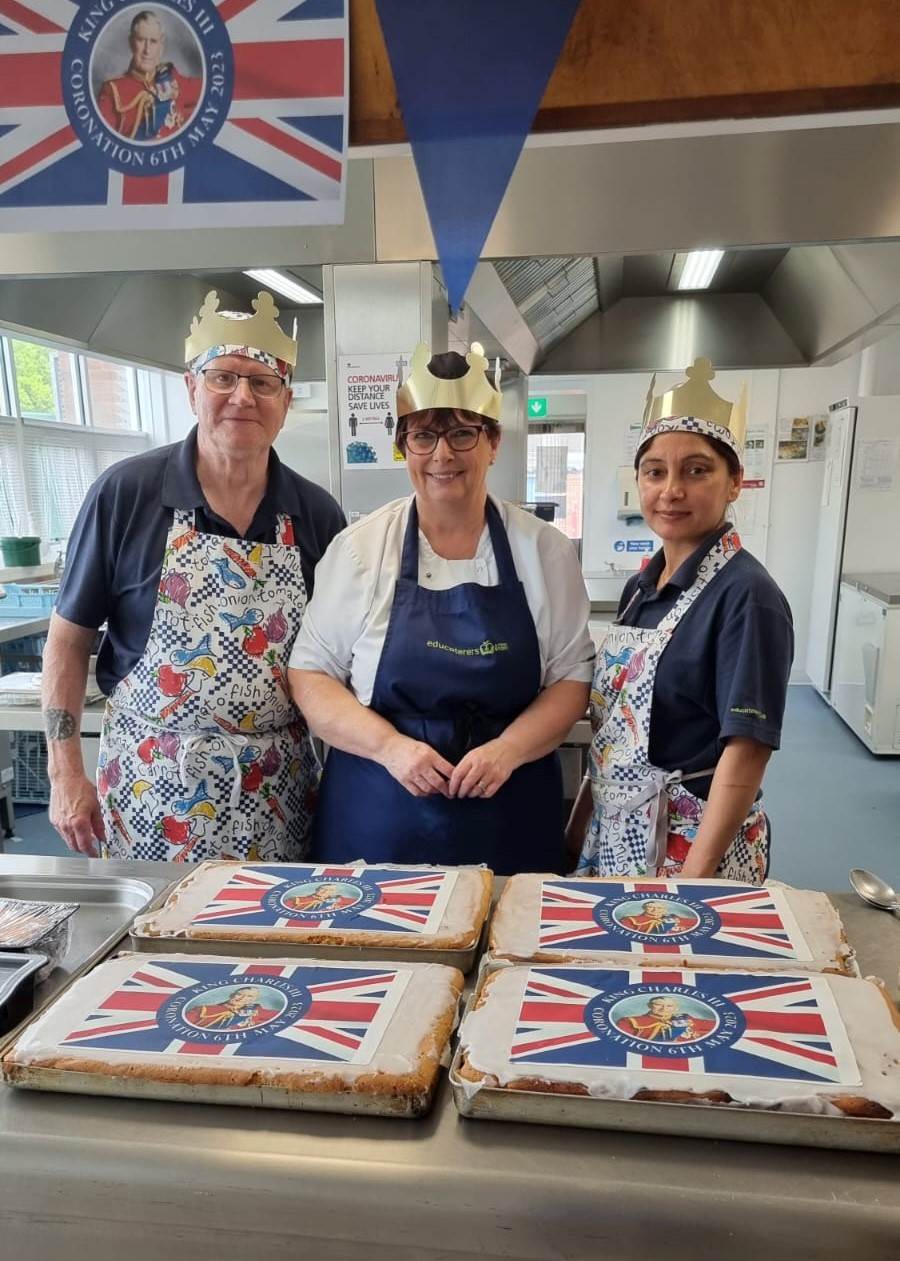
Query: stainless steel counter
[
  {"x": 31, "y": 718},
  {"x": 881, "y": 586},
  {"x": 14, "y": 626},
  {"x": 110, "y": 1179}
]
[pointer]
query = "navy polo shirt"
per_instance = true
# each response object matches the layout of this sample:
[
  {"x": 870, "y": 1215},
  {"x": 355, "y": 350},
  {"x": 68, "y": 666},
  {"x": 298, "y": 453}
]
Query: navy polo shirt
[
  {"x": 115, "y": 552},
  {"x": 725, "y": 669}
]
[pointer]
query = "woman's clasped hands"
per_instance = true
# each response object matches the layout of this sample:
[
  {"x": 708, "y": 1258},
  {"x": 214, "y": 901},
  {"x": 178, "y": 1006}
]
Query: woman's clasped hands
[{"x": 422, "y": 771}]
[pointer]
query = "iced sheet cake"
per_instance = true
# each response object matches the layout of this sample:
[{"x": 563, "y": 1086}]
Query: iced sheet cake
[
  {"x": 301, "y": 1025},
  {"x": 426, "y": 908},
  {"x": 801, "y": 1043},
  {"x": 669, "y": 923}
]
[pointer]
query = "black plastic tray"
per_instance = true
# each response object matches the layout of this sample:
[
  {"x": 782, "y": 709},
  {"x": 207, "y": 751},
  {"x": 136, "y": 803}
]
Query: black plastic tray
[{"x": 18, "y": 972}]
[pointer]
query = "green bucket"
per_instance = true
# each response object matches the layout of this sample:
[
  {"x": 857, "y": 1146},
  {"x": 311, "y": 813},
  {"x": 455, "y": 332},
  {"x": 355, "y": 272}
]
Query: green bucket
[{"x": 18, "y": 552}]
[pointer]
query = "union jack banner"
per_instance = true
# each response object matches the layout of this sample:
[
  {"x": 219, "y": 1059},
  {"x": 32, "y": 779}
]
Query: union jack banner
[
  {"x": 298, "y": 1012},
  {"x": 362, "y": 899},
  {"x": 771, "y": 1026},
  {"x": 649, "y": 917},
  {"x": 172, "y": 113}
]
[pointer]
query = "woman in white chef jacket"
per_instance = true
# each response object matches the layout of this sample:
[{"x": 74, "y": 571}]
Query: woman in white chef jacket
[
  {"x": 446, "y": 652},
  {"x": 689, "y": 691}
]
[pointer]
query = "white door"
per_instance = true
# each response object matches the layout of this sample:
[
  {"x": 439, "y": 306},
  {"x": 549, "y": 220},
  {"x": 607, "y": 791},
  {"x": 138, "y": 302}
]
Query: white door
[{"x": 829, "y": 548}]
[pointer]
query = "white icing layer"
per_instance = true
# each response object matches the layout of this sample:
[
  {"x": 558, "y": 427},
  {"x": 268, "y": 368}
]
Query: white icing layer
[
  {"x": 420, "y": 999},
  {"x": 488, "y": 1031},
  {"x": 456, "y": 916},
  {"x": 813, "y": 924}
]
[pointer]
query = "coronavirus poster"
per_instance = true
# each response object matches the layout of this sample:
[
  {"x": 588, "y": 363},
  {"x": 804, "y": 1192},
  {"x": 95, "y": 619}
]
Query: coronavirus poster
[{"x": 367, "y": 407}]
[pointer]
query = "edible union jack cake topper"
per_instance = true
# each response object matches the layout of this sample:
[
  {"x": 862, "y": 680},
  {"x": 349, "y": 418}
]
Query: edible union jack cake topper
[
  {"x": 172, "y": 113},
  {"x": 298, "y": 1012},
  {"x": 651, "y": 917},
  {"x": 361, "y": 899},
  {"x": 772, "y": 1026}
]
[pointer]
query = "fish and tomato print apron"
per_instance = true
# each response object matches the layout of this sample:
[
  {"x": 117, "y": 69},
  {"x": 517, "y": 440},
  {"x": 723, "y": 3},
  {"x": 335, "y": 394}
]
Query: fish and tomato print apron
[
  {"x": 202, "y": 753},
  {"x": 644, "y": 818},
  {"x": 456, "y": 668}
]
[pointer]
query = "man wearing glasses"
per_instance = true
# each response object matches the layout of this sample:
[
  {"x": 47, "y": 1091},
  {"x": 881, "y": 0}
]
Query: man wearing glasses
[
  {"x": 199, "y": 559},
  {"x": 446, "y": 652}
]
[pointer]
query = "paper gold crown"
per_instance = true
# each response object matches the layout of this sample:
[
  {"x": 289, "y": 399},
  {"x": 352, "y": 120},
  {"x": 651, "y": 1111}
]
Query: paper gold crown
[
  {"x": 696, "y": 399},
  {"x": 472, "y": 392},
  {"x": 213, "y": 327}
]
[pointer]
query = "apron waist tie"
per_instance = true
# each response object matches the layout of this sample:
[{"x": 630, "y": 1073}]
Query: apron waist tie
[
  {"x": 230, "y": 745},
  {"x": 657, "y": 787}
]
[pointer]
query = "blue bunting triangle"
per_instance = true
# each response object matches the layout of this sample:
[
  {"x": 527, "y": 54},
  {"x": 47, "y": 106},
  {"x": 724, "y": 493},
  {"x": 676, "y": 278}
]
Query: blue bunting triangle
[{"x": 470, "y": 76}]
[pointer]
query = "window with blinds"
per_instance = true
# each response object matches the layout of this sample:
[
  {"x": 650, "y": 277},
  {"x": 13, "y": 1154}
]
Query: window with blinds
[
  {"x": 46, "y": 382},
  {"x": 12, "y": 504},
  {"x": 110, "y": 395},
  {"x": 64, "y": 419},
  {"x": 59, "y": 468},
  {"x": 58, "y": 471}
]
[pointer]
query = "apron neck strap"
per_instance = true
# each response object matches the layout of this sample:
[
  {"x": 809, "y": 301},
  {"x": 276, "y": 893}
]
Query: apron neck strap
[
  {"x": 186, "y": 519},
  {"x": 506, "y": 569},
  {"x": 409, "y": 564},
  {"x": 725, "y": 548}
]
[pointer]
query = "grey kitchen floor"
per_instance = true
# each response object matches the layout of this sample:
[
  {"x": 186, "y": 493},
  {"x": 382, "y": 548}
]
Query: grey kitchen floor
[{"x": 833, "y": 805}]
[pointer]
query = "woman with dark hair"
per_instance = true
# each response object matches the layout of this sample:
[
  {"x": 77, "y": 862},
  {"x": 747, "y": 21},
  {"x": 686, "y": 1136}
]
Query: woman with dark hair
[
  {"x": 447, "y": 653},
  {"x": 691, "y": 681}
]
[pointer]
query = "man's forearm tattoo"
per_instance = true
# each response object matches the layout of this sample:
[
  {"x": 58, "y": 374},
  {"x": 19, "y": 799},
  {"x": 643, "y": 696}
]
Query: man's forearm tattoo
[{"x": 60, "y": 724}]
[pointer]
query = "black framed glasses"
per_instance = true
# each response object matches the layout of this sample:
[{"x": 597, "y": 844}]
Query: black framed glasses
[
  {"x": 459, "y": 438},
  {"x": 262, "y": 384}
]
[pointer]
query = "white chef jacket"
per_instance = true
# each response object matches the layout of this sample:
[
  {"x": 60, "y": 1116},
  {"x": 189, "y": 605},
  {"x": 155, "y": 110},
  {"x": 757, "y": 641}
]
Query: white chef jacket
[{"x": 346, "y": 620}]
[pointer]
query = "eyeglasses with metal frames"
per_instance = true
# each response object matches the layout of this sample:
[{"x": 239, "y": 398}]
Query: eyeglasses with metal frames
[
  {"x": 262, "y": 384},
  {"x": 460, "y": 438}
]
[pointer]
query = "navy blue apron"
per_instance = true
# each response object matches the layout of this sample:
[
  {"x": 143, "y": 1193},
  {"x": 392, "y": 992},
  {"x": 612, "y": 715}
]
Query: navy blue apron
[{"x": 456, "y": 668}]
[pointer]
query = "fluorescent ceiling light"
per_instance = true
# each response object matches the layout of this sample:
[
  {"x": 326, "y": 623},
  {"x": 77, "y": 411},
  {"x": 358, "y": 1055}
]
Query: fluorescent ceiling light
[
  {"x": 699, "y": 268},
  {"x": 299, "y": 293}
]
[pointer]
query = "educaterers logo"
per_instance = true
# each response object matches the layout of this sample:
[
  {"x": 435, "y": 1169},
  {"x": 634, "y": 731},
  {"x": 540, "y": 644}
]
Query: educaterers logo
[{"x": 487, "y": 648}]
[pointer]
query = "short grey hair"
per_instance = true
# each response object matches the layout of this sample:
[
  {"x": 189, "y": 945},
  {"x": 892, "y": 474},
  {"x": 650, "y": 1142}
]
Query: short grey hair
[{"x": 146, "y": 15}]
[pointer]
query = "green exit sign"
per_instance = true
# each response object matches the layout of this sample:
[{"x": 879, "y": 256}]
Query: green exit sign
[{"x": 537, "y": 408}]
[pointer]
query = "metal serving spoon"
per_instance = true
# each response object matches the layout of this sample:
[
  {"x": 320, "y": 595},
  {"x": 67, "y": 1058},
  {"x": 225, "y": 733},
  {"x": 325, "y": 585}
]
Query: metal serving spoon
[{"x": 874, "y": 890}]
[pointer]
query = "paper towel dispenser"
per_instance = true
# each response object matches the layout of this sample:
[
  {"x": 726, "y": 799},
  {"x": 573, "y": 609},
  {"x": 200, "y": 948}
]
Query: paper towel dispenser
[{"x": 628, "y": 504}]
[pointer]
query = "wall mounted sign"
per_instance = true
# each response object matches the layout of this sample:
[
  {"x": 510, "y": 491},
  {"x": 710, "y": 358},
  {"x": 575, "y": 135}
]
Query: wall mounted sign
[
  {"x": 367, "y": 409},
  {"x": 180, "y": 114}
]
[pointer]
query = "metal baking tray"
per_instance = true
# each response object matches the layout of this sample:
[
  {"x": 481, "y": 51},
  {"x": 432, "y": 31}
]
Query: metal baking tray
[
  {"x": 552, "y": 959},
  {"x": 356, "y": 1103},
  {"x": 107, "y": 905},
  {"x": 683, "y": 1120},
  {"x": 464, "y": 960},
  {"x": 18, "y": 971}
]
